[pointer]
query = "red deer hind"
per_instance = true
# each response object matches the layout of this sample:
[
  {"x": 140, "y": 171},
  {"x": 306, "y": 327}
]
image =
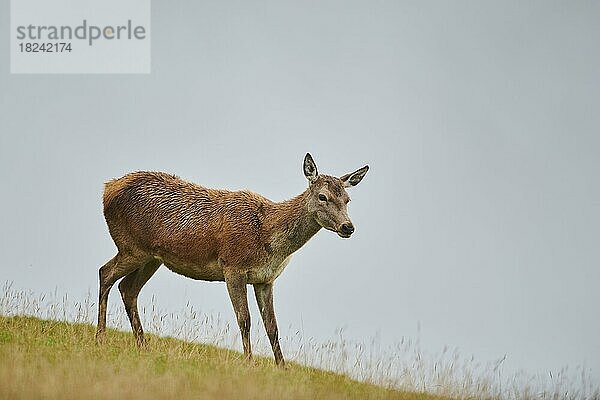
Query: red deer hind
[{"x": 239, "y": 237}]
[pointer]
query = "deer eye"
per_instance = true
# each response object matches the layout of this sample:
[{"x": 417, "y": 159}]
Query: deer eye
[{"x": 322, "y": 197}]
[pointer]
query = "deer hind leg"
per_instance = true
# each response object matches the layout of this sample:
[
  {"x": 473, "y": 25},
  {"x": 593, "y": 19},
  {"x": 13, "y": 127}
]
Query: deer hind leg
[
  {"x": 130, "y": 287},
  {"x": 119, "y": 266}
]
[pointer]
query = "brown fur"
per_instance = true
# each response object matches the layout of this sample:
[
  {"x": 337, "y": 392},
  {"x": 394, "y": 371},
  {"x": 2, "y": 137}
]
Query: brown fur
[{"x": 239, "y": 237}]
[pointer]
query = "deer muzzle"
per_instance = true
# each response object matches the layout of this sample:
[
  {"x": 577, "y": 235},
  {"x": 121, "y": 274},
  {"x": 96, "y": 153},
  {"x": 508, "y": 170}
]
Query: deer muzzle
[{"x": 346, "y": 229}]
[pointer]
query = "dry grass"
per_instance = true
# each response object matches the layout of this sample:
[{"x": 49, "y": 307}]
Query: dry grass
[
  {"x": 59, "y": 360},
  {"x": 52, "y": 359}
]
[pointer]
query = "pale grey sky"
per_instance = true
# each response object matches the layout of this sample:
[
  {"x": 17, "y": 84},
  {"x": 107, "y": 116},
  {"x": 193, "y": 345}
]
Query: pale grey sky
[{"x": 480, "y": 216}]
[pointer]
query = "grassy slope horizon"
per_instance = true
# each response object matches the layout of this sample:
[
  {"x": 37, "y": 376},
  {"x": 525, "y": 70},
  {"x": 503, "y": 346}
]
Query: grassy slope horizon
[{"x": 52, "y": 359}]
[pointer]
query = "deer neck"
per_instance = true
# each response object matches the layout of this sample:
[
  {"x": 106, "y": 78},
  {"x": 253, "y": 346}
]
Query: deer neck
[{"x": 291, "y": 225}]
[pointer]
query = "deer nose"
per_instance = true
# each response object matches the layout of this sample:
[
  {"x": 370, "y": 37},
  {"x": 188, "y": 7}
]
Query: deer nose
[{"x": 347, "y": 228}]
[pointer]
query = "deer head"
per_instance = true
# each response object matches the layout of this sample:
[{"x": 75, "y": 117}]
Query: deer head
[{"x": 328, "y": 199}]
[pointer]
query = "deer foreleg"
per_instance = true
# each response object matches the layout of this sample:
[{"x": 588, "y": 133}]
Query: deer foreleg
[
  {"x": 236, "y": 286},
  {"x": 264, "y": 299}
]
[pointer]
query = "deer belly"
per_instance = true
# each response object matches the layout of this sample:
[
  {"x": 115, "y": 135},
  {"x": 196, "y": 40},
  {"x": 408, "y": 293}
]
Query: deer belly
[
  {"x": 207, "y": 272},
  {"x": 267, "y": 273}
]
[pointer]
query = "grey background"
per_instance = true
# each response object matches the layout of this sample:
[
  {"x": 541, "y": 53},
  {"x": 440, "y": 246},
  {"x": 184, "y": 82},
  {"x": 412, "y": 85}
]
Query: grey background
[{"x": 478, "y": 221}]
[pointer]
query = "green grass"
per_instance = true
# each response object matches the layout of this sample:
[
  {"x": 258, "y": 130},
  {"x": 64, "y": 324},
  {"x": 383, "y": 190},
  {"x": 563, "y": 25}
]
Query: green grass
[
  {"x": 60, "y": 360},
  {"x": 41, "y": 356}
]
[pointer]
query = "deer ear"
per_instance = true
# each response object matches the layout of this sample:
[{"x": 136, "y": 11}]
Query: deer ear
[
  {"x": 355, "y": 177},
  {"x": 310, "y": 168}
]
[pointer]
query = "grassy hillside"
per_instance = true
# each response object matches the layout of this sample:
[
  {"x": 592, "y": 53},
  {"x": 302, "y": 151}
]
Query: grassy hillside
[{"x": 58, "y": 360}]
